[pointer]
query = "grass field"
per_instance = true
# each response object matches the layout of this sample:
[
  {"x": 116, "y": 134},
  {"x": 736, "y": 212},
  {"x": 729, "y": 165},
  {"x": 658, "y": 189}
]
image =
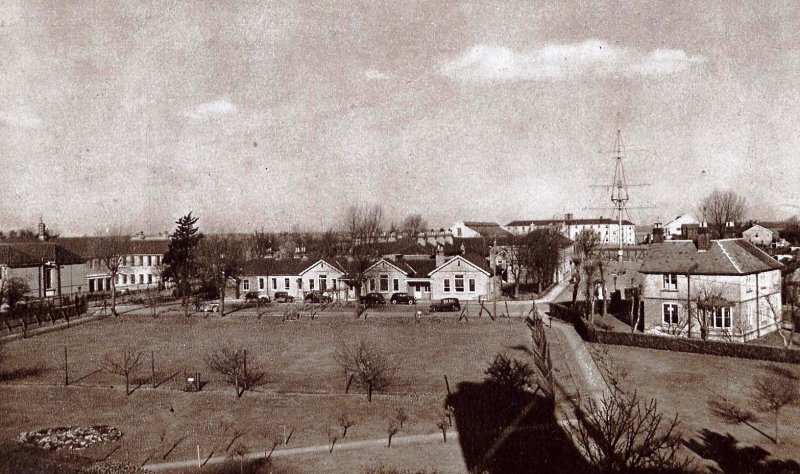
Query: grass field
[
  {"x": 304, "y": 389},
  {"x": 684, "y": 383}
]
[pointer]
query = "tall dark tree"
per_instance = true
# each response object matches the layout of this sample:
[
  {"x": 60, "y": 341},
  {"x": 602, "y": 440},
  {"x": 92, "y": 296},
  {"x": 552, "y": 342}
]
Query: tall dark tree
[{"x": 180, "y": 261}]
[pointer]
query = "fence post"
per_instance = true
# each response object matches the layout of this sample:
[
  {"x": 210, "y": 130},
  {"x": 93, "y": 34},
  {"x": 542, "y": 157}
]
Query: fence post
[{"x": 66, "y": 368}]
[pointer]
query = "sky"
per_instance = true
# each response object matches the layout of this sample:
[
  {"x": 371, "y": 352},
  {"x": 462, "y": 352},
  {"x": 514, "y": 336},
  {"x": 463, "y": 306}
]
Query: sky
[{"x": 281, "y": 115}]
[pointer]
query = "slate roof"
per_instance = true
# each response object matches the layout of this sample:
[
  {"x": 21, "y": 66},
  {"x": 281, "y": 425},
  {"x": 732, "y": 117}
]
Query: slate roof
[
  {"x": 31, "y": 254},
  {"x": 724, "y": 257},
  {"x": 277, "y": 267}
]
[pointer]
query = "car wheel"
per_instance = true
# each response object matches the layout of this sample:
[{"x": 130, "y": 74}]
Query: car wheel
[
  {"x": 394, "y": 301},
  {"x": 410, "y": 302}
]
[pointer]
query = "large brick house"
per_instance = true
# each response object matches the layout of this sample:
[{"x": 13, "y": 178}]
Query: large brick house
[{"x": 724, "y": 289}]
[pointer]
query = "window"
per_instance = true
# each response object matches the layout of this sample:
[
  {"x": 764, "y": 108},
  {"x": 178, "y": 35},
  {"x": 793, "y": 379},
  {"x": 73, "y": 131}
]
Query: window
[
  {"x": 310, "y": 283},
  {"x": 260, "y": 283},
  {"x": 245, "y": 285},
  {"x": 323, "y": 283},
  {"x": 124, "y": 279},
  {"x": 722, "y": 318},
  {"x": 149, "y": 279},
  {"x": 751, "y": 283},
  {"x": 447, "y": 285},
  {"x": 274, "y": 283},
  {"x": 395, "y": 284},
  {"x": 371, "y": 284},
  {"x": 141, "y": 279},
  {"x": 158, "y": 259},
  {"x": 384, "y": 282},
  {"x": 149, "y": 260},
  {"x": 671, "y": 282},
  {"x": 472, "y": 285},
  {"x": 286, "y": 283},
  {"x": 670, "y": 313},
  {"x": 460, "y": 283}
]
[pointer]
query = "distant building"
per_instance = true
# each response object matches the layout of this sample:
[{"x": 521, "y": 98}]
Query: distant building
[
  {"x": 728, "y": 288},
  {"x": 297, "y": 277},
  {"x": 759, "y": 235},
  {"x": 673, "y": 228},
  {"x": 607, "y": 229},
  {"x": 487, "y": 230},
  {"x": 47, "y": 268}
]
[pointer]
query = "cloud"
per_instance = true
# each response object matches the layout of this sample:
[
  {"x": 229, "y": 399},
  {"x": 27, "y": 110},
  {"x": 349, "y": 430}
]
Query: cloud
[
  {"x": 375, "y": 75},
  {"x": 483, "y": 63},
  {"x": 20, "y": 118},
  {"x": 211, "y": 110}
]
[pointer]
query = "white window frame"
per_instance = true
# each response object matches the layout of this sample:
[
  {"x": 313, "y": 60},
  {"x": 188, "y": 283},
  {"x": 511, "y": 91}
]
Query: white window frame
[
  {"x": 472, "y": 285},
  {"x": 274, "y": 283},
  {"x": 383, "y": 278},
  {"x": 670, "y": 282},
  {"x": 446, "y": 285},
  {"x": 246, "y": 285},
  {"x": 395, "y": 284},
  {"x": 261, "y": 283},
  {"x": 287, "y": 283},
  {"x": 725, "y": 315},
  {"x": 456, "y": 279},
  {"x": 675, "y": 314}
]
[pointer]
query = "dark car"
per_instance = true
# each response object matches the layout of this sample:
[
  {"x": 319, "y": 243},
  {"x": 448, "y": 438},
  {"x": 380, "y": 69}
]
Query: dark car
[
  {"x": 402, "y": 298},
  {"x": 283, "y": 297},
  {"x": 256, "y": 296},
  {"x": 317, "y": 297},
  {"x": 446, "y": 304},
  {"x": 372, "y": 299}
]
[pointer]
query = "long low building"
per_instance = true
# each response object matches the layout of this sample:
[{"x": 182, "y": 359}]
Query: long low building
[{"x": 46, "y": 268}]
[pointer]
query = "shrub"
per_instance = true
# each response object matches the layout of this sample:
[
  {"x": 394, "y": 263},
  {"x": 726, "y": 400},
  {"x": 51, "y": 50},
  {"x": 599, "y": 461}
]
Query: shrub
[{"x": 509, "y": 374}]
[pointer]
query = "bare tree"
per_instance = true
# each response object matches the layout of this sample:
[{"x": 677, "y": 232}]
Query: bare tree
[
  {"x": 620, "y": 433},
  {"x": 391, "y": 429},
  {"x": 786, "y": 325},
  {"x": 721, "y": 207},
  {"x": 369, "y": 366},
  {"x": 773, "y": 392},
  {"x": 333, "y": 436},
  {"x": 412, "y": 225},
  {"x": 443, "y": 424},
  {"x": 709, "y": 298},
  {"x": 541, "y": 254},
  {"x": 233, "y": 365},
  {"x": 125, "y": 362},
  {"x": 586, "y": 244},
  {"x": 401, "y": 416},
  {"x": 112, "y": 251},
  {"x": 346, "y": 421}
]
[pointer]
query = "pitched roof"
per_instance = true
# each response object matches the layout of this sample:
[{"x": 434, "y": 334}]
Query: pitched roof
[
  {"x": 488, "y": 229},
  {"x": 546, "y": 222},
  {"x": 724, "y": 257},
  {"x": 278, "y": 267},
  {"x": 474, "y": 260},
  {"x": 88, "y": 247},
  {"x": 421, "y": 267},
  {"x": 29, "y": 254}
]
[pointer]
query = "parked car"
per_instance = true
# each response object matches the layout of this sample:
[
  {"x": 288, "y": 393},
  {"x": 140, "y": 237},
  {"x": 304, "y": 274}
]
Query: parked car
[
  {"x": 211, "y": 307},
  {"x": 446, "y": 304},
  {"x": 256, "y": 296},
  {"x": 283, "y": 297},
  {"x": 402, "y": 298},
  {"x": 372, "y": 299},
  {"x": 317, "y": 297}
]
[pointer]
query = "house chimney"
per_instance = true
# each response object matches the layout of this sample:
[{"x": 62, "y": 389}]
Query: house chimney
[
  {"x": 703, "y": 241},
  {"x": 439, "y": 255},
  {"x": 658, "y": 233},
  {"x": 730, "y": 230},
  {"x": 568, "y": 216}
]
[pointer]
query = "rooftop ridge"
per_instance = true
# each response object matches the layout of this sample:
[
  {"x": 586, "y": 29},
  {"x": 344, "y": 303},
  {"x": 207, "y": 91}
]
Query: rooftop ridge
[{"x": 728, "y": 255}]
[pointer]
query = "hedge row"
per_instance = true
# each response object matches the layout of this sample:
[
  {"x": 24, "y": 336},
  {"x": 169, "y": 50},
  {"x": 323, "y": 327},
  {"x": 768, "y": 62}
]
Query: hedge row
[{"x": 678, "y": 344}]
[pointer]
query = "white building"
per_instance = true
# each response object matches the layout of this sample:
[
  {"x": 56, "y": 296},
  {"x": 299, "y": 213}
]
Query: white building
[{"x": 673, "y": 227}]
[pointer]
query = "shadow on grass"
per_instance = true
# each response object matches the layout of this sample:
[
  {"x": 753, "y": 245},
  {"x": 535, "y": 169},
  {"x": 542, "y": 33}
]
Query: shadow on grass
[
  {"x": 84, "y": 377},
  {"x": 732, "y": 458},
  {"x": 503, "y": 432},
  {"x": 21, "y": 373}
]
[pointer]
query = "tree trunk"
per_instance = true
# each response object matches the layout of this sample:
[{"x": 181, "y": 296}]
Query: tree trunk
[
  {"x": 390, "y": 441},
  {"x": 369, "y": 393},
  {"x": 776, "y": 427},
  {"x": 114, "y": 295},
  {"x": 444, "y": 435},
  {"x": 127, "y": 385}
]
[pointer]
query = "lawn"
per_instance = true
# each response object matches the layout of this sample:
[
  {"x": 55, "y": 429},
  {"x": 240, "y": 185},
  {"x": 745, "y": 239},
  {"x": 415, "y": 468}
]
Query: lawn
[
  {"x": 304, "y": 390},
  {"x": 684, "y": 383}
]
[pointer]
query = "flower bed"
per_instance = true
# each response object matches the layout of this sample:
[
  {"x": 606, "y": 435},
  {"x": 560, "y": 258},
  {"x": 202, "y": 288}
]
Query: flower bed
[{"x": 72, "y": 437}]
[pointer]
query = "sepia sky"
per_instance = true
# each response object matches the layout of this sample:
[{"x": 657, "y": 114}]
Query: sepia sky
[{"x": 274, "y": 115}]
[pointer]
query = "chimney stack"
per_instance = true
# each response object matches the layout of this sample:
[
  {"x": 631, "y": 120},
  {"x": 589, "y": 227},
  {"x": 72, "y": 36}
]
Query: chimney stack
[
  {"x": 658, "y": 233},
  {"x": 568, "y": 216},
  {"x": 439, "y": 255},
  {"x": 703, "y": 241},
  {"x": 730, "y": 230}
]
